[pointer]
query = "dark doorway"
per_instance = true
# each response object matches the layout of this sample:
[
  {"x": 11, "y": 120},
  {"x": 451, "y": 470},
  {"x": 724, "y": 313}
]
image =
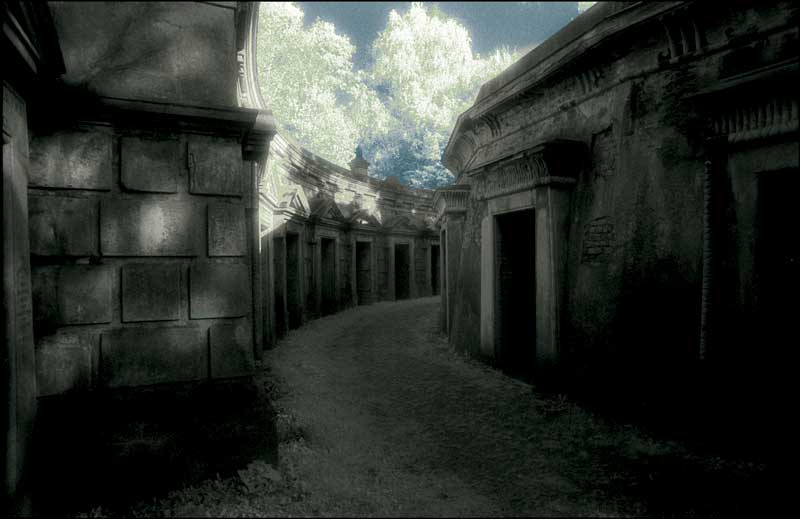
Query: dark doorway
[
  {"x": 279, "y": 262},
  {"x": 445, "y": 317},
  {"x": 402, "y": 269},
  {"x": 364, "y": 272},
  {"x": 435, "y": 270},
  {"x": 328, "y": 275},
  {"x": 515, "y": 293},
  {"x": 293, "y": 298},
  {"x": 777, "y": 282}
]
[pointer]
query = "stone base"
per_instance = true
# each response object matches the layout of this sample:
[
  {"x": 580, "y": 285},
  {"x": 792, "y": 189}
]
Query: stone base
[{"x": 112, "y": 448}]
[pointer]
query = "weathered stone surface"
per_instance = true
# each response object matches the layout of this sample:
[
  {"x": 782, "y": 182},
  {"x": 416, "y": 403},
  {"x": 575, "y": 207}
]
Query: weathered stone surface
[
  {"x": 215, "y": 166},
  {"x": 167, "y": 51},
  {"x": 149, "y": 165},
  {"x": 75, "y": 294},
  {"x": 63, "y": 363},
  {"x": 151, "y": 292},
  {"x": 149, "y": 228},
  {"x": 72, "y": 159},
  {"x": 226, "y": 230},
  {"x": 219, "y": 290},
  {"x": 231, "y": 350},
  {"x": 61, "y": 226},
  {"x": 143, "y": 356}
]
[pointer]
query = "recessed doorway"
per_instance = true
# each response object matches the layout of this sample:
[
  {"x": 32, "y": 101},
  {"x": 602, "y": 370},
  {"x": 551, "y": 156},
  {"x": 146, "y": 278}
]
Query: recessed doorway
[
  {"x": 515, "y": 293},
  {"x": 402, "y": 270},
  {"x": 363, "y": 272},
  {"x": 328, "y": 275}
]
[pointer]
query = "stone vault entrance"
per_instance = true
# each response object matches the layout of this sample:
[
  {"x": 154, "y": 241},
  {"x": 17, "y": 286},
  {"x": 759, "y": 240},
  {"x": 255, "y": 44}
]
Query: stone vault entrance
[
  {"x": 515, "y": 294},
  {"x": 328, "y": 275},
  {"x": 402, "y": 264},
  {"x": 363, "y": 272}
]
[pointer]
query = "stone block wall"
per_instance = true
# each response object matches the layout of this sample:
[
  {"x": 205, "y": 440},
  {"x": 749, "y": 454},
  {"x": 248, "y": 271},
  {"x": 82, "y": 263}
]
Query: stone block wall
[{"x": 140, "y": 257}]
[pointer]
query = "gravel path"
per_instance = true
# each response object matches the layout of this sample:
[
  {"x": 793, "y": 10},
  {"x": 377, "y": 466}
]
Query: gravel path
[
  {"x": 400, "y": 425},
  {"x": 377, "y": 417}
]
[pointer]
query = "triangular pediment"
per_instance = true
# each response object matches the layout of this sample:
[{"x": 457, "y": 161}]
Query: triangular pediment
[
  {"x": 295, "y": 199},
  {"x": 363, "y": 217},
  {"x": 403, "y": 222},
  {"x": 326, "y": 207}
]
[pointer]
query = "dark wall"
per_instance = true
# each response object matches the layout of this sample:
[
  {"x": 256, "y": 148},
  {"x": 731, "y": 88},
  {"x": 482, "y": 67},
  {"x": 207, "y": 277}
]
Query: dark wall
[{"x": 180, "y": 52}]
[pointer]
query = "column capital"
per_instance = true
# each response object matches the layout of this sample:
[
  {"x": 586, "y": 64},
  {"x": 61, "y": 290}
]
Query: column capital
[{"x": 451, "y": 199}]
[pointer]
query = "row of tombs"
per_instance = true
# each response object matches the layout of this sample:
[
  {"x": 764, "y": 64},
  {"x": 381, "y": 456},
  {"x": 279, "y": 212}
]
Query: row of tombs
[
  {"x": 158, "y": 236},
  {"x": 333, "y": 238}
]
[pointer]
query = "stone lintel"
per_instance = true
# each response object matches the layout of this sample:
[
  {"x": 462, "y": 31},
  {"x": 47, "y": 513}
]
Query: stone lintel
[{"x": 553, "y": 163}]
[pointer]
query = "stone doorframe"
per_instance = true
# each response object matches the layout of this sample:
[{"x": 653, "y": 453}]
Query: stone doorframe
[
  {"x": 412, "y": 289},
  {"x": 373, "y": 265},
  {"x": 450, "y": 203},
  {"x": 330, "y": 234},
  {"x": 541, "y": 178}
]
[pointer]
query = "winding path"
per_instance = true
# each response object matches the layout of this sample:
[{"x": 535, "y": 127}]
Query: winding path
[{"x": 400, "y": 425}]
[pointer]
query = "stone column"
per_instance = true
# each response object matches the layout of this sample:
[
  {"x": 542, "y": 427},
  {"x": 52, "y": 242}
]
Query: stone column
[
  {"x": 390, "y": 271},
  {"x": 451, "y": 207},
  {"x": 412, "y": 267},
  {"x": 443, "y": 254},
  {"x": 428, "y": 291},
  {"x": 552, "y": 228},
  {"x": 353, "y": 271}
]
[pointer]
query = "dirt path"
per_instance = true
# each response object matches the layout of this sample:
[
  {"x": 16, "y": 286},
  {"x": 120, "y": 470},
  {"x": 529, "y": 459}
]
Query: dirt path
[
  {"x": 400, "y": 425},
  {"x": 378, "y": 417}
]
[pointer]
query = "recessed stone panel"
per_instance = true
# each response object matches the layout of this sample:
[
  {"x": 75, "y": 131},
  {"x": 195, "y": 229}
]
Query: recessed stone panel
[
  {"x": 150, "y": 228},
  {"x": 151, "y": 292},
  {"x": 231, "y": 350},
  {"x": 63, "y": 363},
  {"x": 75, "y": 294},
  {"x": 61, "y": 226},
  {"x": 72, "y": 159},
  {"x": 150, "y": 165},
  {"x": 144, "y": 356},
  {"x": 226, "y": 230},
  {"x": 219, "y": 290},
  {"x": 84, "y": 294},
  {"x": 215, "y": 166}
]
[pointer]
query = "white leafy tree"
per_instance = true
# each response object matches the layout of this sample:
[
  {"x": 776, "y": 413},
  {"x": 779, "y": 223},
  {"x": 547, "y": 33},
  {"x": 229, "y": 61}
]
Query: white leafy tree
[
  {"x": 426, "y": 73},
  {"x": 401, "y": 110},
  {"x": 307, "y": 79}
]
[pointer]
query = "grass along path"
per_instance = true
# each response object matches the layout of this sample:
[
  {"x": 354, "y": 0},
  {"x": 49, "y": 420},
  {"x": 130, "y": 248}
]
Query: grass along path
[{"x": 378, "y": 417}]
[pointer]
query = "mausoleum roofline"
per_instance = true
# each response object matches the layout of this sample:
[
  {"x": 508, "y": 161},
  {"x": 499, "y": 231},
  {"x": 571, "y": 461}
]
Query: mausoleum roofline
[{"x": 602, "y": 24}]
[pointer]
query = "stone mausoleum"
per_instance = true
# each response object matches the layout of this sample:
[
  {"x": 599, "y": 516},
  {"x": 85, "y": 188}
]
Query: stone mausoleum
[
  {"x": 620, "y": 223},
  {"x": 622, "y": 219},
  {"x": 158, "y": 235}
]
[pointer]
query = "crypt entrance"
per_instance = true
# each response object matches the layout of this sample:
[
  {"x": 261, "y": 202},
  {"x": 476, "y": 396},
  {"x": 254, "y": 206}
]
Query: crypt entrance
[
  {"x": 364, "y": 272},
  {"x": 435, "y": 270},
  {"x": 402, "y": 270},
  {"x": 515, "y": 293},
  {"x": 328, "y": 276}
]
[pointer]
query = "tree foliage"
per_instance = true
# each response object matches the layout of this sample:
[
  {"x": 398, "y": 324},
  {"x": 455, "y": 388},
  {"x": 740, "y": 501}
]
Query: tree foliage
[{"x": 401, "y": 110}]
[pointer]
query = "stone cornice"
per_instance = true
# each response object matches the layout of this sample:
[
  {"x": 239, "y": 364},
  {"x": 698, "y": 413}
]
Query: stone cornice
[
  {"x": 451, "y": 199},
  {"x": 564, "y": 53},
  {"x": 556, "y": 162},
  {"x": 754, "y": 105}
]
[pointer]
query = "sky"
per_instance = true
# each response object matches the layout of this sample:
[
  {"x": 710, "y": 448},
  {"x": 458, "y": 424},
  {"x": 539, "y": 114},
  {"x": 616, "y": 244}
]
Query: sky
[{"x": 519, "y": 25}]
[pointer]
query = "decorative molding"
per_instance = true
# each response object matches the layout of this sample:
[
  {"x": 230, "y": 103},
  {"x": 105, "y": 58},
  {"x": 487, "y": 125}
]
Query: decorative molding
[
  {"x": 683, "y": 34},
  {"x": 554, "y": 162},
  {"x": 756, "y": 119},
  {"x": 451, "y": 199},
  {"x": 568, "y": 60}
]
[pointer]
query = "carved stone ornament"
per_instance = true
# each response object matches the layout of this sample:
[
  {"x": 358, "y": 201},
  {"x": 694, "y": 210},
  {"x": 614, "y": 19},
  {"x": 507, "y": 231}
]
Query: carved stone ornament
[
  {"x": 554, "y": 162},
  {"x": 451, "y": 199}
]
